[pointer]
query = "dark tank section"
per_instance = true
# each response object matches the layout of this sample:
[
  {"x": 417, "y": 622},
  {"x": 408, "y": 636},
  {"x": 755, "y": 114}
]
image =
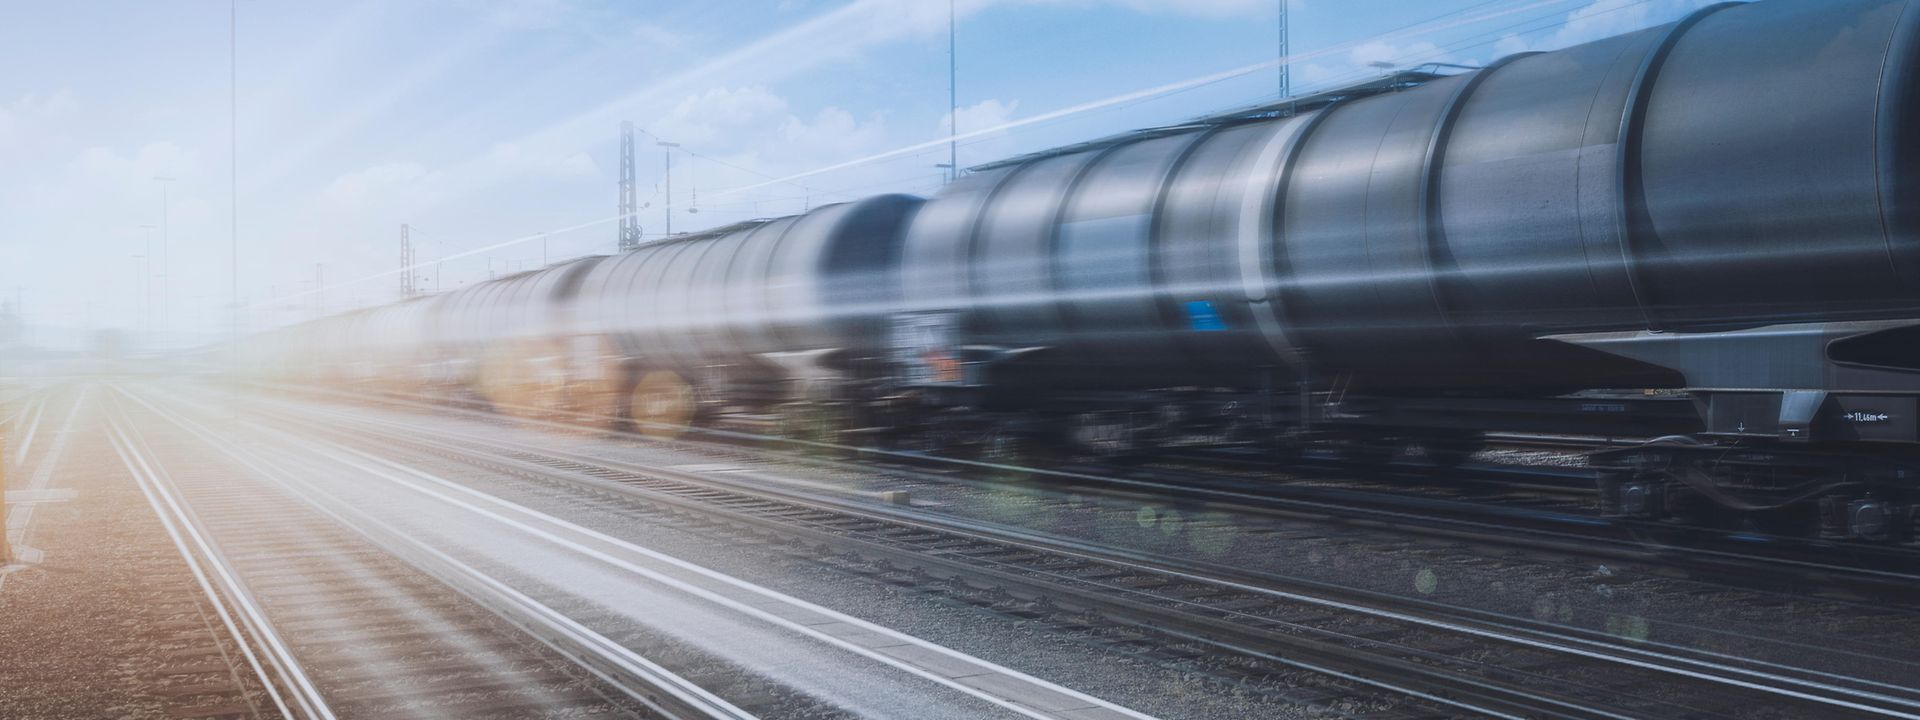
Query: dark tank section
[
  {"x": 1747, "y": 165},
  {"x": 825, "y": 281}
]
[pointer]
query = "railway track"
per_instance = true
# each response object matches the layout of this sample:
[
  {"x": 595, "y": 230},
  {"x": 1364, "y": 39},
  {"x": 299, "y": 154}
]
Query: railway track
[
  {"x": 1496, "y": 514},
  {"x": 1492, "y": 665},
  {"x": 1518, "y": 507},
  {"x": 339, "y": 620},
  {"x": 552, "y": 568}
]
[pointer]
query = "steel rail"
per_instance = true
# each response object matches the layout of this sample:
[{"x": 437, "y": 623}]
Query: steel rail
[
  {"x": 203, "y": 558},
  {"x": 200, "y": 579},
  {"x": 1204, "y": 631},
  {"x": 588, "y": 542},
  {"x": 655, "y": 686},
  {"x": 1592, "y": 646},
  {"x": 1477, "y": 520}
]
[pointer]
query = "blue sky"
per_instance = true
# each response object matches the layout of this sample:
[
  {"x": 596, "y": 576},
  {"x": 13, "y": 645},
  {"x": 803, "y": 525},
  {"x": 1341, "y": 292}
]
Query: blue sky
[{"x": 485, "y": 121}]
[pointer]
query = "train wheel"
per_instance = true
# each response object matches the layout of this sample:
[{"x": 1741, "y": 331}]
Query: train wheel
[{"x": 662, "y": 404}]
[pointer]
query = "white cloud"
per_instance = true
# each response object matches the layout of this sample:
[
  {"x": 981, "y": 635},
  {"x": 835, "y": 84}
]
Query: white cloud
[
  {"x": 71, "y": 227},
  {"x": 401, "y": 187},
  {"x": 989, "y": 113},
  {"x": 658, "y": 38},
  {"x": 1366, "y": 54},
  {"x": 984, "y": 114},
  {"x": 1601, "y": 19},
  {"x": 378, "y": 185},
  {"x": 754, "y": 127},
  {"x": 1596, "y": 20},
  {"x": 1357, "y": 64},
  {"x": 1510, "y": 44},
  {"x": 832, "y": 132},
  {"x": 522, "y": 14},
  {"x": 722, "y": 120},
  {"x": 888, "y": 18},
  {"x": 1204, "y": 8},
  {"x": 97, "y": 178},
  {"x": 514, "y": 160},
  {"x": 26, "y": 120}
]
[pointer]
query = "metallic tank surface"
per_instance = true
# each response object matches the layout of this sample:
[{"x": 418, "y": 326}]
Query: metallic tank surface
[
  {"x": 1707, "y": 230},
  {"x": 1741, "y": 167}
]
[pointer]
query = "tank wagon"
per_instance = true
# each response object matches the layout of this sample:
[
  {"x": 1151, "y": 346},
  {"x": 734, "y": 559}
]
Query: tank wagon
[{"x": 1704, "y": 231}]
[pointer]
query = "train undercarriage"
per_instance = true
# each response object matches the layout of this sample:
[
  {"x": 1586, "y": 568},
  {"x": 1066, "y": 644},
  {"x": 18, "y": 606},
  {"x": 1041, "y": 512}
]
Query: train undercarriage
[
  {"x": 1836, "y": 463},
  {"x": 1650, "y": 450}
]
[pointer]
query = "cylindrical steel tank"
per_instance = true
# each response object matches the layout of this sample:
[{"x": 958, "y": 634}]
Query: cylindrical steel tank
[
  {"x": 517, "y": 307},
  {"x": 1750, "y": 164},
  {"x": 826, "y": 280}
]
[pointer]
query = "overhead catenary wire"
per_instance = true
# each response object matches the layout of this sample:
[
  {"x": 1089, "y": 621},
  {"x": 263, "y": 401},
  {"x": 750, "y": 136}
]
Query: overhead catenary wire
[
  {"x": 1438, "y": 23},
  {"x": 1128, "y": 97}
]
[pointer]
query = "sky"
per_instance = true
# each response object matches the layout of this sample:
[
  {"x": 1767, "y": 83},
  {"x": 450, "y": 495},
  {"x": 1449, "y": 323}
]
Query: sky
[{"x": 491, "y": 127}]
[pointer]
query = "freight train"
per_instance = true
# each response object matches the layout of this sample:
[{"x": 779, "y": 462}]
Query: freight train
[{"x": 1706, "y": 232}]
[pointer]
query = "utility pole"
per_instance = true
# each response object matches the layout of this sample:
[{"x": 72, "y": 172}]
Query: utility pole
[
  {"x": 669, "y": 146},
  {"x": 543, "y": 248},
  {"x": 1286, "y": 72},
  {"x": 953, "y": 96},
  {"x": 629, "y": 197},
  {"x": 166, "y": 256},
  {"x": 6, "y": 548},
  {"x": 407, "y": 286},
  {"x": 146, "y": 279},
  {"x": 233, "y": 174},
  {"x": 144, "y": 271}
]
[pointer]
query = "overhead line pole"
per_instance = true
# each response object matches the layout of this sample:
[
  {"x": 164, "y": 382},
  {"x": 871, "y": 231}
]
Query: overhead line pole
[
  {"x": 408, "y": 287},
  {"x": 669, "y": 146},
  {"x": 629, "y": 238},
  {"x": 166, "y": 253},
  {"x": 953, "y": 94},
  {"x": 146, "y": 278},
  {"x": 233, "y": 173},
  {"x": 1286, "y": 73},
  {"x": 6, "y": 546}
]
